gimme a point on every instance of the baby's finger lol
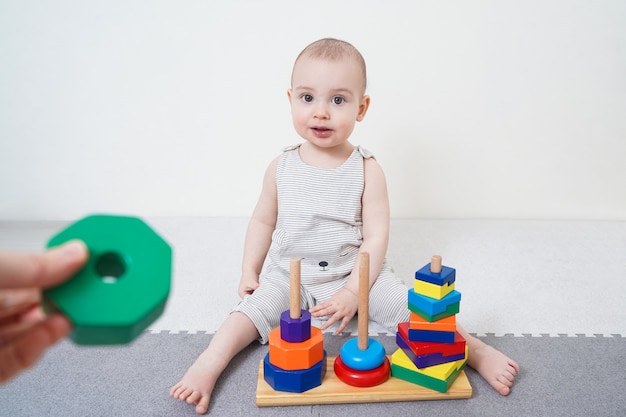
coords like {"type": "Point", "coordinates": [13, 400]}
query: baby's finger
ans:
{"type": "Point", "coordinates": [318, 308]}
{"type": "Point", "coordinates": [321, 310]}
{"type": "Point", "coordinates": [343, 325]}
{"type": "Point", "coordinates": [332, 320]}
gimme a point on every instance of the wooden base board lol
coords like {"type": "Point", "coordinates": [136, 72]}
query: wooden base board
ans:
{"type": "Point", "coordinates": [334, 391]}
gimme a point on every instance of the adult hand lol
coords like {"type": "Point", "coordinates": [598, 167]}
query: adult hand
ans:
{"type": "Point", "coordinates": [341, 306]}
{"type": "Point", "coordinates": [25, 332]}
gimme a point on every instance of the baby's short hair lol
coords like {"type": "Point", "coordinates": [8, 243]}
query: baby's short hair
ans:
{"type": "Point", "coordinates": [334, 50]}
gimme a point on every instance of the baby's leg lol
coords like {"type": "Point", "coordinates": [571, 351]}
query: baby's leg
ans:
{"type": "Point", "coordinates": [196, 387]}
{"type": "Point", "coordinates": [254, 317]}
{"type": "Point", "coordinates": [388, 300]}
{"type": "Point", "coordinates": [497, 368]}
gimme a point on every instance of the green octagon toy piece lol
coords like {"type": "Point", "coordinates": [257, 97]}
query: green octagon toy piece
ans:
{"type": "Point", "coordinates": [123, 287]}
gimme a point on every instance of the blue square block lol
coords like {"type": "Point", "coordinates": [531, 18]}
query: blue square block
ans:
{"type": "Point", "coordinates": [437, 336]}
{"type": "Point", "coordinates": [429, 359]}
{"type": "Point", "coordinates": [432, 306]}
{"type": "Point", "coordinates": [446, 276]}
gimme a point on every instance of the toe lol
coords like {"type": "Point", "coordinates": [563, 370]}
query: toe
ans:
{"type": "Point", "coordinates": [203, 405]}
{"type": "Point", "coordinates": [505, 379]}
{"type": "Point", "coordinates": [193, 397]}
{"type": "Point", "coordinates": [185, 394]}
{"type": "Point", "coordinates": [504, 390]}
{"type": "Point", "coordinates": [177, 391]}
{"type": "Point", "coordinates": [509, 377]}
{"type": "Point", "coordinates": [501, 385]}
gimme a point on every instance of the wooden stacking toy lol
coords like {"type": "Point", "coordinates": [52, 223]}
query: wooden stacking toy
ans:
{"type": "Point", "coordinates": [420, 370]}
{"type": "Point", "coordinates": [362, 362]}
{"type": "Point", "coordinates": [296, 361]}
{"type": "Point", "coordinates": [124, 285]}
{"type": "Point", "coordinates": [431, 352]}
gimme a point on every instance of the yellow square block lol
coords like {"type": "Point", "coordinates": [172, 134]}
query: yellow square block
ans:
{"type": "Point", "coordinates": [441, 372]}
{"type": "Point", "coordinates": [432, 290]}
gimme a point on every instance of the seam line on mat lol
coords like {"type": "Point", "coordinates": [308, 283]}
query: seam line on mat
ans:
{"type": "Point", "coordinates": [486, 334]}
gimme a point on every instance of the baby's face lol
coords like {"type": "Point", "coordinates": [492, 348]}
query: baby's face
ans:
{"type": "Point", "coordinates": [327, 100]}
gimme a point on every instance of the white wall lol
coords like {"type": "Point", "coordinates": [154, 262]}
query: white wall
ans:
{"type": "Point", "coordinates": [479, 108]}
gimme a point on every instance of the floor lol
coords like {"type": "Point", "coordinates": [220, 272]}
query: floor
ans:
{"type": "Point", "coordinates": [525, 278]}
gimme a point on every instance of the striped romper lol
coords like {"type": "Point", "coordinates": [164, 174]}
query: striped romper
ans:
{"type": "Point", "coordinates": [319, 221]}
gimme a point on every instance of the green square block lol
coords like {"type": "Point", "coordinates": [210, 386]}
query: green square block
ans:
{"type": "Point", "coordinates": [451, 310]}
{"type": "Point", "coordinates": [439, 377]}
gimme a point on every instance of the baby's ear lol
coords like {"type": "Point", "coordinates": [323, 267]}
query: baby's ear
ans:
{"type": "Point", "coordinates": [365, 104]}
{"type": "Point", "coordinates": [289, 92]}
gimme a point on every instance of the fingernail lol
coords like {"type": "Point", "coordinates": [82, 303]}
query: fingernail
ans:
{"type": "Point", "coordinates": [73, 249]}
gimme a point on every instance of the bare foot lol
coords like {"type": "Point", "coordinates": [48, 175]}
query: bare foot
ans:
{"type": "Point", "coordinates": [198, 383]}
{"type": "Point", "coordinates": [497, 368]}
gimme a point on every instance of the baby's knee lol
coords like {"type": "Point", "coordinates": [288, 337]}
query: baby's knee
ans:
{"type": "Point", "coordinates": [264, 307]}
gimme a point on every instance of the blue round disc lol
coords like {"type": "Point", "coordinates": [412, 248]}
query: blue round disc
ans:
{"type": "Point", "coordinates": [362, 360]}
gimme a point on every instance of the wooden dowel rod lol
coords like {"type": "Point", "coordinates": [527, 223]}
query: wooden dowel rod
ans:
{"type": "Point", "coordinates": [294, 288]}
{"type": "Point", "coordinates": [364, 293]}
{"type": "Point", "coordinates": [435, 264]}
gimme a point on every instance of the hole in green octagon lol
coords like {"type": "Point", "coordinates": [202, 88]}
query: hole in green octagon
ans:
{"type": "Point", "coordinates": [110, 266]}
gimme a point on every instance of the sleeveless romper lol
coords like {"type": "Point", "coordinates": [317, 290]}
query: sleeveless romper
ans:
{"type": "Point", "coordinates": [319, 221]}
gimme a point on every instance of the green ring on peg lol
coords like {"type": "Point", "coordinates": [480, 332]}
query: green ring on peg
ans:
{"type": "Point", "coordinates": [357, 378]}
{"type": "Point", "coordinates": [122, 288]}
{"type": "Point", "coordinates": [362, 360]}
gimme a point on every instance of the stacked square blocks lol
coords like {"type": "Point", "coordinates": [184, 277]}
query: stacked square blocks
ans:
{"type": "Point", "coordinates": [430, 351]}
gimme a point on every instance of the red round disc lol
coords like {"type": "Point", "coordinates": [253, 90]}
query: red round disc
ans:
{"type": "Point", "coordinates": [357, 378]}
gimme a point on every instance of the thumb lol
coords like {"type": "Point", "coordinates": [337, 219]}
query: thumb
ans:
{"type": "Point", "coordinates": [20, 270]}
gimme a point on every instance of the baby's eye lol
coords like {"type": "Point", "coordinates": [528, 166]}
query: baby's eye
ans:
{"type": "Point", "coordinates": [338, 100]}
{"type": "Point", "coordinates": [307, 98]}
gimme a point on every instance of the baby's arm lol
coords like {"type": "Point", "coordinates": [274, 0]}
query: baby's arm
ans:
{"type": "Point", "coordinates": [375, 211]}
{"type": "Point", "coordinates": [259, 233]}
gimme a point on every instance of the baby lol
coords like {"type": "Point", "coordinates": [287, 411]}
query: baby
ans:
{"type": "Point", "coordinates": [323, 201]}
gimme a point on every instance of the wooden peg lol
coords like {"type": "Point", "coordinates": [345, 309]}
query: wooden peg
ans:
{"type": "Point", "coordinates": [435, 264]}
{"type": "Point", "coordinates": [294, 288]}
{"type": "Point", "coordinates": [364, 293]}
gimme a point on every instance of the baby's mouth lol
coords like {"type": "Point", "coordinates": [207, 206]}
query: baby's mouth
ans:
{"type": "Point", "coordinates": [321, 129]}
{"type": "Point", "coordinates": [322, 132]}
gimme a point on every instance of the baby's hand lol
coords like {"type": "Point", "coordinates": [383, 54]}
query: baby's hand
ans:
{"type": "Point", "coordinates": [247, 285]}
{"type": "Point", "coordinates": [342, 306]}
